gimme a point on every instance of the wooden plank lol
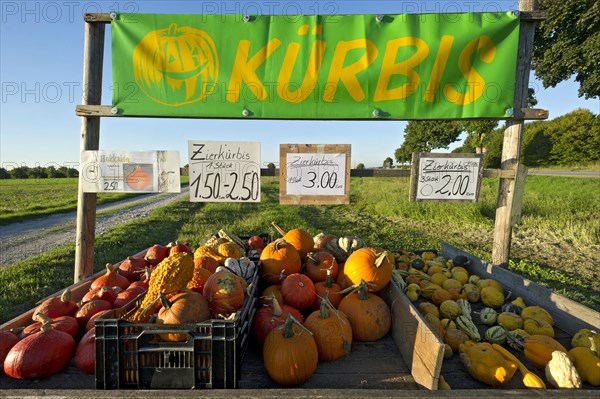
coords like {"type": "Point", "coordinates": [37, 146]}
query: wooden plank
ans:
{"type": "Point", "coordinates": [537, 15]}
{"type": "Point", "coordinates": [532, 114]}
{"type": "Point", "coordinates": [568, 315]}
{"type": "Point", "coordinates": [97, 18]}
{"type": "Point", "coordinates": [499, 173]}
{"type": "Point", "coordinates": [420, 347]}
{"type": "Point", "coordinates": [513, 137]}
{"type": "Point", "coordinates": [517, 208]}
{"type": "Point", "coordinates": [90, 139]}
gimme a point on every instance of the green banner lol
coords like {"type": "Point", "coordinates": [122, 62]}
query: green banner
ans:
{"type": "Point", "coordinates": [407, 66]}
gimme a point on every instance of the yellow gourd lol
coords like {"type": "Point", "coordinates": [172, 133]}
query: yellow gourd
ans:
{"type": "Point", "coordinates": [582, 338]}
{"type": "Point", "coordinates": [587, 364]}
{"type": "Point", "coordinates": [450, 309]}
{"type": "Point", "coordinates": [491, 297]}
{"type": "Point", "coordinates": [488, 282]}
{"type": "Point", "coordinates": [538, 349]}
{"type": "Point", "coordinates": [537, 326]}
{"type": "Point", "coordinates": [485, 364]}
{"type": "Point", "coordinates": [537, 312]}
{"type": "Point", "coordinates": [472, 291]}
{"type": "Point", "coordinates": [510, 320]}
{"type": "Point", "coordinates": [428, 307]}
{"type": "Point", "coordinates": [530, 379]}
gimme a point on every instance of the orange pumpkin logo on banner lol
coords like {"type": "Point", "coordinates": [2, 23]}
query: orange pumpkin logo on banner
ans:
{"type": "Point", "coordinates": [177, 63]}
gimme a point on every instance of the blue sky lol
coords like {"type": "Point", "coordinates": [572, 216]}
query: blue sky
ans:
{"type": "Point", "coordinates": [41, 64]}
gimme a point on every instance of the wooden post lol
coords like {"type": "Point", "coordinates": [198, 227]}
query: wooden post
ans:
{"type": "Point", "coordinates": [93, 57]}
{"type": "Point", "coordinates": [513, 137]}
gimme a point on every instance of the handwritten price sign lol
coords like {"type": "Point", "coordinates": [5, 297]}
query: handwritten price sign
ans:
{"type": "Point", "coordinates": [314, 173]}
{"type": "Point", "coordinates": [224, 171]}
{"type": "Point", "coordinates": [446, 177]}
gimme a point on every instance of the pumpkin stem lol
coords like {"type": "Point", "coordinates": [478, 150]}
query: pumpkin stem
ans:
{"type": "Point", "coordinates": [325, 304]}
{"type": "Point", "coordinates": [45, 320]}
{"type": "Point", "coordinates": [66, 295]}
{"type": "Point", "coordinates": [594, 347]}
{"type": "Point", "coordinates": [279, 229]}
{"type": "Point", "coordinates": [275, 306]}
{"type": "Point", "coordinates": [311, 256]}
{"type": "Point", "coordinates": [288, 327]}
{"type": "Point", "coordinates": [109, 268]}
{"type": "Point", "coordinates": [164, 301]}
{"type": "Point", "coordinates": [173, 29]}
{"type": "Point", "coordinates": [328, 278]}
{"type": "Point", "coordinates": [381, 257]}
{"type": "Point", "coordinates": [363, 290]}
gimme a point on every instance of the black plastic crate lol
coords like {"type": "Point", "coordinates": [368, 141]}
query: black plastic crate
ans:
{"type": "Point", "coordinates": [132, 356]}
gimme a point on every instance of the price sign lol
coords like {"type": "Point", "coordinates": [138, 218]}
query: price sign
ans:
{"type": "Point", "coordinates": [130, 171]}
{"type": "Point", "coordinates": [224, 171]}
{"type": "Point", "coordinates": [314, 174]}
{"type": "Point", "coordinates": [446, 177]}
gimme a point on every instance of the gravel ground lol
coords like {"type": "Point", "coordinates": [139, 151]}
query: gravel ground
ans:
{"type": "Point", "coordinates": [19, 241]}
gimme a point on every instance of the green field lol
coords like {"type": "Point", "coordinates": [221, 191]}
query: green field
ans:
{"type": "Point", "coordinates": [557, 243]}
{"type": "Point", "coordinates": [23, 199]}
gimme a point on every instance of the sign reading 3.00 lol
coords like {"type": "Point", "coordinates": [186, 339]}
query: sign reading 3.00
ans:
{"type": "Point", "coordinates": [316, 174]}
{"type": "Point", "coordinates": [224, 171]}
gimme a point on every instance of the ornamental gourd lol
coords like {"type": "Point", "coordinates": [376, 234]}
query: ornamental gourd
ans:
{"type": "Point", "coordinates": [587, 363]}
{"type": "Point", "coordinates": [290, 354]}
{"type": "Point", "coordinates": [279, 257]}
{"type": "Point", "coordinates": [369, 265]}
{"type": "Point", "coordinates": [331, 330]}
{"type": "Point", "coordinates": [369, 315]}
{"type": "Point", "coordinates": [537, 348]}
{"type": "Point", "coordinates": [485, 364]}
{"type": "Point", "coordinates": [40, 355]}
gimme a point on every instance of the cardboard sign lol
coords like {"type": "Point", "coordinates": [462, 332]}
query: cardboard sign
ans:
{"type": "Point", "coordinates": [446, 177]}
{"type": "Point", "coordinates": [130, 171]}
{"type": "Point", "coordinates": [314, 174]}
{"type": "Point", "coordinates": [224, 171]}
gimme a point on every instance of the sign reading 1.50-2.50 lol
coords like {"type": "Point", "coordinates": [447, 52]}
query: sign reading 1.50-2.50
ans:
{"type": "Point", "coordinates": [224, 171]}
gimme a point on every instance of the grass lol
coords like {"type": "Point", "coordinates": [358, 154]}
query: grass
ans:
{"type": "Point", "coordinates": [556, 244]}
{"type": "Point", "coordinates": [26, 199]}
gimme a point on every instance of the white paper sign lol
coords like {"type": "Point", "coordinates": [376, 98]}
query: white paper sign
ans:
{"type": "Point", "coordinates": [316, 174]}
{"type": "Point", "coordinates": [224, 171]}
{"type": "Point", "coordinates": [448, 178]}
{"type": "Point", "coordinates": [130, 171]}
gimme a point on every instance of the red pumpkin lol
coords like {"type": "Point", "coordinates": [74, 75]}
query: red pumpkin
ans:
{"type": "Point", "coordinates": [110, 279]}
{"type": "Point", "coordinates": [327, 288]}
{"type": "Point", "coordinates": [91, 324]}
{"type": "Point", "coordinates": [108, 294]}
{"type": "Point", "coordinates": [127, 296]}
{"type": "Point", "coordinates": [7, 341]}
{"type": "Point", "coordinates": [298, 291]}
{"type": "Point", "coordinates": [156, 253]}
{"type": "Point", "coordinates": [187, 307]}
{"type": "Point", "coordinates": [331, 330]}
{"type": "Point", "coordinates": [279, 257]}
{"type": "Point", "coordinates": [225, 293]}
{"type": "Point", "coordinates": [132, 268]}
{"type": "Point", "coordinates": [317, 264]}
{"type": "Point", "coordinates": [57, 306]}
{"type": "Point", "coordinates": [300, 239]}
{"type": "Point", "coordinates": [85, 355]}
{"type": "Point", "coordinates": [40, 355]}
{"type": "Point", "coordinates": [272, 316]}
{"type": "Point", "coordinates": [256, 243]}
{"type": "Point", "coordinates": [290, 354]}
{"type": "Point", "coordinates": [369, 315]}
{"type": "Point", "coordinates": [175, 247]}
{"type": "Point", "coordinates": [91, 308]}
{"type": "Point", "coordinates": [369, 265]}
{"type": "Point", "coordinates": [65, 324]}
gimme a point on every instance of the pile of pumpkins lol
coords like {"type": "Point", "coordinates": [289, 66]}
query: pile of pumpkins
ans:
{"type": "Point", "coordinates": [443, 292]}
{"type": "Point", "coordinates": [178, 287]}
{"type": "Point", "coordinates": [319, 294]}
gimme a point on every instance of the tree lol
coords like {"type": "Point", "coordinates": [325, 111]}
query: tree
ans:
{"type": "Point", "coordinates": [425, 136]}
{"type": "Point", "coordinates": [21, 172]}
{"type": "Point", "coordinates": [477, 131]}
{"type": "Point", "coordinates": [567, 43]}
{"type": "Point", "coordinates": [388, 163]}
{"type": "Point", "coordinates": [4, 174]}
{"type": "Point", "coordinates": [575, 138]}
{"type": "Point", "coordinates": [360, 166]}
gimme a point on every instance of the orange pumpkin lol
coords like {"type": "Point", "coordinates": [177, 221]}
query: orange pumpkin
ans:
{"type": "Point", "coordinates": [369, 315]}
{"type": "Point", "coordinates": [187, 307]}
{"type": "Point", "coordinates": [225, 293]}
{"type": "Point", "coordinates": [274, 290]}
{"type": "Point", "coordinates": [290, 354]}
{"type": "Point", "coordinates": [369, 265]}
{"type": "Point", "coordinates": [178, 63]}
{"type": "Point", "coordinates": [327, 288]}
{"type": "Point", "coordinates": [277, 257]}
{"type": "Point", "coordinates": [206, 262]}
{"type": "Point", "coordinates": [331, 330]}
{"type": "Point", "coordinates": [300, 239]}
{"type": "Point", "coordinates": [317, 264]}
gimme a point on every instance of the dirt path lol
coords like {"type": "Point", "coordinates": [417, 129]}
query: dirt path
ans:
{"type": "Point", "coordinates": [19, 241]}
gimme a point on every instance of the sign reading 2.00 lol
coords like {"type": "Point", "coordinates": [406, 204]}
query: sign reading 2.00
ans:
{"type": "Point", "coordinates": [224, 171]}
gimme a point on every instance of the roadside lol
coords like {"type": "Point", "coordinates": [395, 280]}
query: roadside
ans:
{"type": "Point", "coordinates": [565, 173]}
{"type": "Point", "coordinates": [19, 241]}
